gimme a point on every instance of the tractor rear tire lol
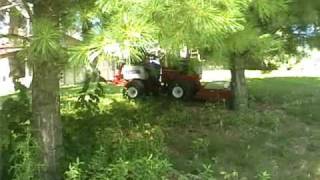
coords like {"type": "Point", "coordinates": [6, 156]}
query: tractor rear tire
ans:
{"type": "Point", "coordinates": [181, 90]}
{"type": "Point", "coordinates": [135, 89]}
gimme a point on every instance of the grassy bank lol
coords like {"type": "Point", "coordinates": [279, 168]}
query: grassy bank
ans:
{"type": "Point", "coordinates": [278, 138]}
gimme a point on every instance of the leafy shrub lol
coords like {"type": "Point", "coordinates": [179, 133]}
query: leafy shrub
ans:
{"type": "Point", "coordinates": [16, 145]}
{"type": "Point", "coordinates": [23, 159]}
{"type": "Point", "coordinates": [89, 99]}
{"type": "Point", "coordinates": [264, 176]}
{"type": "Point", "coordinates": [206, 172]}
{"type": "Point", "coordinates": [138, 142]}
{"type": "Point", "coordinates": [132, 153]}
{"type": "Point", "coordinates": [152, 168]}
{"type": "Point", "coordinates": [200, 147]}
{"type": "Point", "coordinates": [127, 144]}
{"type": "Point", "coordinates": [74, 171]}
{"type": "Point", "coordinates": [15, 112]}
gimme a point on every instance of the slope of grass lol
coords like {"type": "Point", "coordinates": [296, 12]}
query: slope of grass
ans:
{"type": "Point", "coordinates": [297, 96]}
{"type": "Point", "coordinates": [277, 138]}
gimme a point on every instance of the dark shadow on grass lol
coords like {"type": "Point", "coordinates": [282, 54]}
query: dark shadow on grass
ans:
{"type": "Point", "coordinates": [275, 132]}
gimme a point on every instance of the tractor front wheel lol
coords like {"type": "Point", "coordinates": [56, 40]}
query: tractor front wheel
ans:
{"type": "Point", "coordinates": [135, 89]}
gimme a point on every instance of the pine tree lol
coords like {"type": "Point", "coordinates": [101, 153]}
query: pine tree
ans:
{"type": "Point", "coordinates": [235, 31]}
{"type": "Point", "coordinates": [45, 54]}
{"type": "Point", "coordinates": [260, 40]}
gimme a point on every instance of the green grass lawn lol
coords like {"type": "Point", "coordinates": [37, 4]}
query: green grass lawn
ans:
{"type": "Point", "coordinates": [277, 138]}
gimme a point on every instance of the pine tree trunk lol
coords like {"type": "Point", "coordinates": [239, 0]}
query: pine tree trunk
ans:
{"type": "Point", "coordinates": [46, 103]}
{"type": "Point", "coordinates": [46, 118]}
{"type": "Point", "coordinates": [239, 85]}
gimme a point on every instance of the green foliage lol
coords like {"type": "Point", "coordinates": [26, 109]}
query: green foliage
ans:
{"type": "Point", "coordinates": [24, 157]}
{"type": "Point", "coordinates": [260, 31]}
{"type": "Point", "coordinates": [89, 98]}
{"type": "Point", "coordinates": [74, 172]}
{"type": "Point", "coordinates": [129, 139]}
{"type": "Point", "coordinates": [200, 147]}
{"type": "Point", "coordinates": [230, 175]}
{"type": "Point", "coordinates": [206, 172]}
{"type": "Point", "coordinates": [18, 147]}
{"type": "Point", "coordinates": [145, 168]}
{"type": "Point", "coordinates": [4, 133]}
{"type": "Point", "coordinates": [121, 32]}
{"type": "Point", "coordinates": [13, 115]}
{"type": "Point", "coordinates": [269, 10]}
{"type": "Point", "coordinates": [197, 24]}
{"type": "Point", "coordinates": [305, 12]}
{"type": "Point", "coordinates": [264, 176]}
{"type": "Point", "coordinates": [45, 45]}
{"type": "Point", "coordinates": [136, 152]}
{"type": "Point", "coordinates": [138, 142]}
{"type": "Point", "coordinates": [138, 24]}
{"type": "Point", "coordinates": [119, 144]}
{"type": "Point", "coordinates": [155, 138]}
{"type": "Point", "coordinates": [80, 15]}
{"type": "Point", "coordinates": [261, 41]}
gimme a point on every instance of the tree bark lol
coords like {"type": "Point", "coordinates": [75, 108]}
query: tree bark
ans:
{"type": "Point", "coordinates": [46, 102]}
{"type": "Point", "coordinates": [239, 85]}
{"type": "Point", "coordinates": [46, 118]}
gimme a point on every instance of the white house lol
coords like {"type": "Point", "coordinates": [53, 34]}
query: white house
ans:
{"type": "Point", "coordinates": [69, 76]}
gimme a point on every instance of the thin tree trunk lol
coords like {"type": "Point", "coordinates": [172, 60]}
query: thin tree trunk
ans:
{"type": "Point", "coordinates": [239, 85]}
{"type": "Point", "coordinates": [46, 118]}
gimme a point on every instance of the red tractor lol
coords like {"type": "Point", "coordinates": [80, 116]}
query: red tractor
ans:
{"type": "Point", "coordinates": [151, 78]}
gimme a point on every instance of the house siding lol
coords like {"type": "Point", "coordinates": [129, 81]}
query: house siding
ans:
{"type": "Point", "coordinates": [69, 76]}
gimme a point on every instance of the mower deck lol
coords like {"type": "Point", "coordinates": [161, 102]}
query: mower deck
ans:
{"type": "Point", "coordinates": [213, 94]}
